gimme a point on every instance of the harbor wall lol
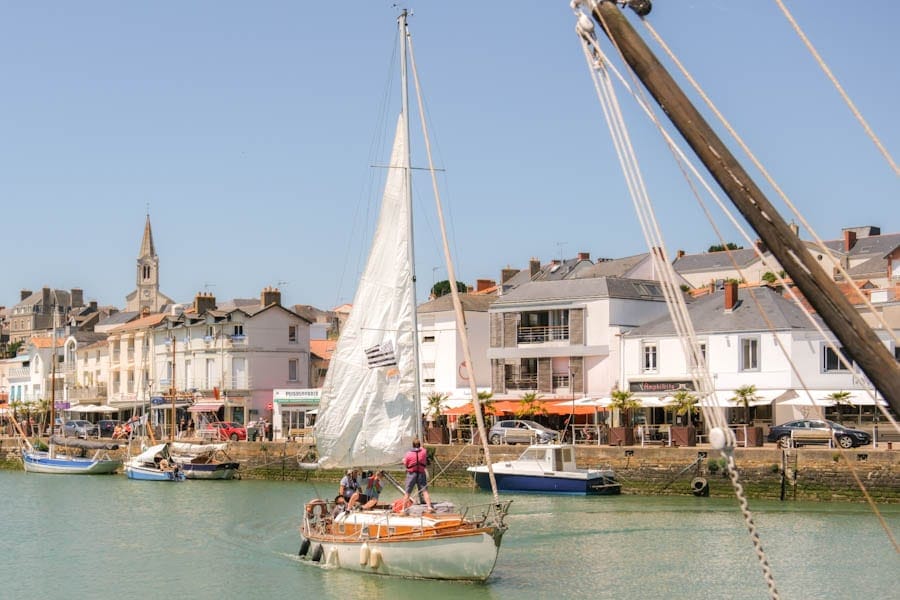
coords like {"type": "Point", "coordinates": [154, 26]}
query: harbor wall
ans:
{"type": "Point", "coordinates": [808, 473]}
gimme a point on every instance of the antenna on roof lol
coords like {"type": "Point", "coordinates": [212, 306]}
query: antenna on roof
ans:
{"type": "Point", "coordinates": [206, 286]}
{"type": "Point", "coordinates": [559, 246]}
{"type": "Point", "coordinates": [280, 284]}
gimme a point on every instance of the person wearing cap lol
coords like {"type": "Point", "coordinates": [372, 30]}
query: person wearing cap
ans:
{"type": "Point", "coordinates": [349, 484]}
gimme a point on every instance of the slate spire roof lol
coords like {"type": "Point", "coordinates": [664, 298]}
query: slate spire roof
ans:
{"type": "Point", "coordinates": [147, 247]}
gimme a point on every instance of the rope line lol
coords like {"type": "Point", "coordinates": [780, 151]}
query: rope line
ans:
{"type": "Point", "coordinates": [824, 66]}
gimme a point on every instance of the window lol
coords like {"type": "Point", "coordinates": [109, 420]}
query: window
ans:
{"type": "Point", "coordinates": [831, 362]}
{"type": "Point", "coordinates": [293, 368]}
{"type": "Point", "coordinates": [292, 334]}
{"type": "Point", "coordinates": [428, 338]}
{"type": "Point", "coordinates": [238, 330]}
{"type": "Point", "coordinates": [702, 347]}
{"type": "Point", "coordinates": [897, 353]}
{"type": "Point", "coordinates": [210, 332]}
{"type": "Point", "coordinates": [648, 363]}
{"type": "Point", "coordinates": [749, 354]}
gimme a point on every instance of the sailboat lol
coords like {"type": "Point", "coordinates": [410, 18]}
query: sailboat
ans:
{"type": "Point", "coordinates": [370, 410]}
{"type": "Point", "coordinates": [69, 456]}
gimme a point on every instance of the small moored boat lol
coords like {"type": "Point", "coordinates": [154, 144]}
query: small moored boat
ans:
{"type": "Point", "coordinates": [550, 469]}
{"type": "Point", "coordinates": [204, 461]}
{"type": "Point", "coordinates": [69, 456]}
{"type": "Point", "coordinates": [154, 464]}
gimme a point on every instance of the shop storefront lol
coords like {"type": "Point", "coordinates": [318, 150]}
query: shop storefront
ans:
{"type": "Point", "coordinates": [294, 410]}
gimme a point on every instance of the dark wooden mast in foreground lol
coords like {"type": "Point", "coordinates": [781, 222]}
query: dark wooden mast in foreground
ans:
{"type": "Point", "coordinates": [858, 339]}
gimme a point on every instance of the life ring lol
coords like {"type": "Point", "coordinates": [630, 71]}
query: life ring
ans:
{"type": "Point", "coordinates": [316, 510]}
{"type": "Point", "coordinates": [463, 371]}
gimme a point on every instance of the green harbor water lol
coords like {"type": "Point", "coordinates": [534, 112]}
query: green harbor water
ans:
{"type": "Point", "coordinates": [102, 537]}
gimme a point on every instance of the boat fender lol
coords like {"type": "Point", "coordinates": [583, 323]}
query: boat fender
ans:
{"type": "Point", "coordinates": [699, 486]}
{"type": "Point", "coordinates": [364, 554]}
{"type": "Point", "coordinates": [375, 558]}
{"type": "Point", "coordinates": [304, 547]}
{"type": "Point", "coordinates": [333, 558]}
{"type": "Point", "coordinates": [317, 553]}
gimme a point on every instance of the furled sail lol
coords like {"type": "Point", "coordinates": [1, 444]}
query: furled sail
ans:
{"type": "Point", "coordinates": [368, 407]}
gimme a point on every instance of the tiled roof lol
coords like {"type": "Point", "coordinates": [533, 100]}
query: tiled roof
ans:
{"type": "Point", "coordinates": [616, 267]}
{"type": "Point", "coordinates": [715, 261]}
{"type": "Point", "coordinates": [470, 302]}
{"type": "Point", "coordinates": [47, 342]}
{"type": "Point", "coordinates": [709, 316]}
{"type": "Point", "coordinates": [141, 323]}
{"type": "Point", "coordinates": [322, 348]}
{"type": "Point", "coordinates": [578, 289]}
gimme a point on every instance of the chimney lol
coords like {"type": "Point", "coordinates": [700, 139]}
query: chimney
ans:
{"type": "Point", "coordinates": [483, 284]}
{"type": "Point", "coordinates": [761, 246]}
{"type": "Point", "coordinates": [45, 297]}
{"type": "Point", "coordinates": [556, 261]}
{"type": "Point", "coordinates": [507, 274]}
{"type": "Point", "coordinates": [849, 240]}
{"type": "Point", "coordinates": [77, 297]}
{"type": "Point", "coordinates": [731, 295]}
{"type": "Point", "coordinates": [23, 294]}
{"type": "Point", "coordinates": [269, 296]}
{"type": "Point", "coordinates": [584, 256]}
{"type": "Point", "coordinates": [795, 228]}
{"type": "Point", "coordinates": [679, 254]}
{"type": "Point", "coordinates": [93, 305]}
{"type": "Point", "coordinates": [204, 302]}
{"type": "Point", "coordinates": [534, 265]}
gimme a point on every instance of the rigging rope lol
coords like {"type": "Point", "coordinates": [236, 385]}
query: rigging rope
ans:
{"type": "Point", "coordinates": [838, 87]}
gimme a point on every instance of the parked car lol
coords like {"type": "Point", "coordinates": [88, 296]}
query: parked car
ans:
{"type": "Point", "coordinates": [108, 426]}
{"type": "Point", "coordinates": [228, 430]}
{"type": "Point", "coordinates": [521, 431]}
{"type": "Point", "coordinates": [844, 436]}
{"type": "Point", "coordinates": [79, 428]}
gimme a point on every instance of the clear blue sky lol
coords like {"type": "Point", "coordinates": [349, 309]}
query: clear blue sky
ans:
{"type": "Point", "coordinates": [249, 129]}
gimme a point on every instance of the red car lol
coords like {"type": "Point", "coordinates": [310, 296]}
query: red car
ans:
{"type": "Point", "coordinates": [229, 430]}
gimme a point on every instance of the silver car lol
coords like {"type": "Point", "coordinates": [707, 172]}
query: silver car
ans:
{"type": "Point", "coordinates": [80, 428]}
{"type": "Point", "coordinates": [521, 431]}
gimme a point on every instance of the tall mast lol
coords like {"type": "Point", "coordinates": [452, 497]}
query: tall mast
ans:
{"type": "Point", "coordinates": [53, 369]}
{"type": "Point", "coordinates": [404, 102]}
{"type": "Point", "coordinates": [856, 336]}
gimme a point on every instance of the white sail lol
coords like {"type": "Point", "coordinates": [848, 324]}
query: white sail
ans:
{"type": "Point", "coordinates": [368, 409]}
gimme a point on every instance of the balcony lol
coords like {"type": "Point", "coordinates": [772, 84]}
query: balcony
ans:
{"type": "Point", "coordinates": [522, 382]}
{"type": "Point", "coordinates": [542, 334]}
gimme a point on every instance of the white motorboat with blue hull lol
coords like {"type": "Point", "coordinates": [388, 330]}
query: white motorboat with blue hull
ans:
{"type": "Point", "coordinates": [59, 459]}
{"type": "Point", "coordinates": [547, 469]}
{"type": "Point", "coordinates": [153, 464]}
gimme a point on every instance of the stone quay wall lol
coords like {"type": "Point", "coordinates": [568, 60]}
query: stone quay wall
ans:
{"type": "Point", "coordinates": [807, 473]}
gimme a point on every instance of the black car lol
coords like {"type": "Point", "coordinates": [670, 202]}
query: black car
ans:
{"type": "Point", "coordinates": [844, 436]}
{"type": "Point", "coordinates": [108, 427]}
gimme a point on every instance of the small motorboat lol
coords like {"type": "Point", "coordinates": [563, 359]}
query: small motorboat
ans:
{"type": "Point", "coordinates": [204, 461]}
{"type": "Point", "coordinates": [547, 469]}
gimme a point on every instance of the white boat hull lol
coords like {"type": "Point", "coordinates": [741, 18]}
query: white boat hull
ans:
{"type": "Point", "coordinates": [439, 547]}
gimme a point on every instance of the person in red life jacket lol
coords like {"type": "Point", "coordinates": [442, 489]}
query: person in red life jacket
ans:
{"type": "Point", "coordinates": [415, 462]}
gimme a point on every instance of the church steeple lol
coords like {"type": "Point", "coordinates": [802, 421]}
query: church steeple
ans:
{"type": "Point", "coordinates": [147, 248]}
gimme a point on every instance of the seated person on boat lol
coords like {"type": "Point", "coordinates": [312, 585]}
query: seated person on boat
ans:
{"type": "Point", "coordinates": [373, 489]}
{"type": "Point", "coordinates": [349, 484]}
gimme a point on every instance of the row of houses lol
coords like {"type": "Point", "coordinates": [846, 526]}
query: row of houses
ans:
{"type": "Point", "coordinates": [565, 329]}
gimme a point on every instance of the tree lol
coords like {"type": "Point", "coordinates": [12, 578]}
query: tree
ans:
{"type": "Point", "coordinates": [720, 247]}
{"type": "Point", "coordinates": [487, 404]}
{"type": "Point", "coordinates": [442, 288]}
{"type": "Point", "coordinates": [840, 399]}
{"type": "Point", "coordinates": [683, 403]}
{"type": "Point", "coordinates": [743, 396]}
{"type": "Point", "coordinates": [769, 277]}
{"type": "Point", "coordinates": [436, 405]}
{"type": "Point", "coordinates": [625, 402]}
{"type": "Point", "coordinates": [530, 405]}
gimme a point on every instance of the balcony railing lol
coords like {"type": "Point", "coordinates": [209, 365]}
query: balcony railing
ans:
{"type": "Point", "coordinates": [560, 381]}
{"type": "Point", "coordinates": [546, 333]}
{"type": "Point", "coordinates": [523, 382]}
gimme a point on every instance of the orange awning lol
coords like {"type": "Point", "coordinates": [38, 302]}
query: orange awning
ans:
{"type": "Point", "coordinates": [501, 407]}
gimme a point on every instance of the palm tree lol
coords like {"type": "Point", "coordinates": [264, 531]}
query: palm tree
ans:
{"type": "Point", "coordinates": [684, 403]}
{"type": "Point", "coordinates": [624, 401]}
{"type": "Point", "coordinates": [436, 404]}
{"type": "Point", "coordinates": [530, 405]}
{"type": "Point", "coordinates": [840, 399]}
{"type": "Point", "coordinates": [743, 396]}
